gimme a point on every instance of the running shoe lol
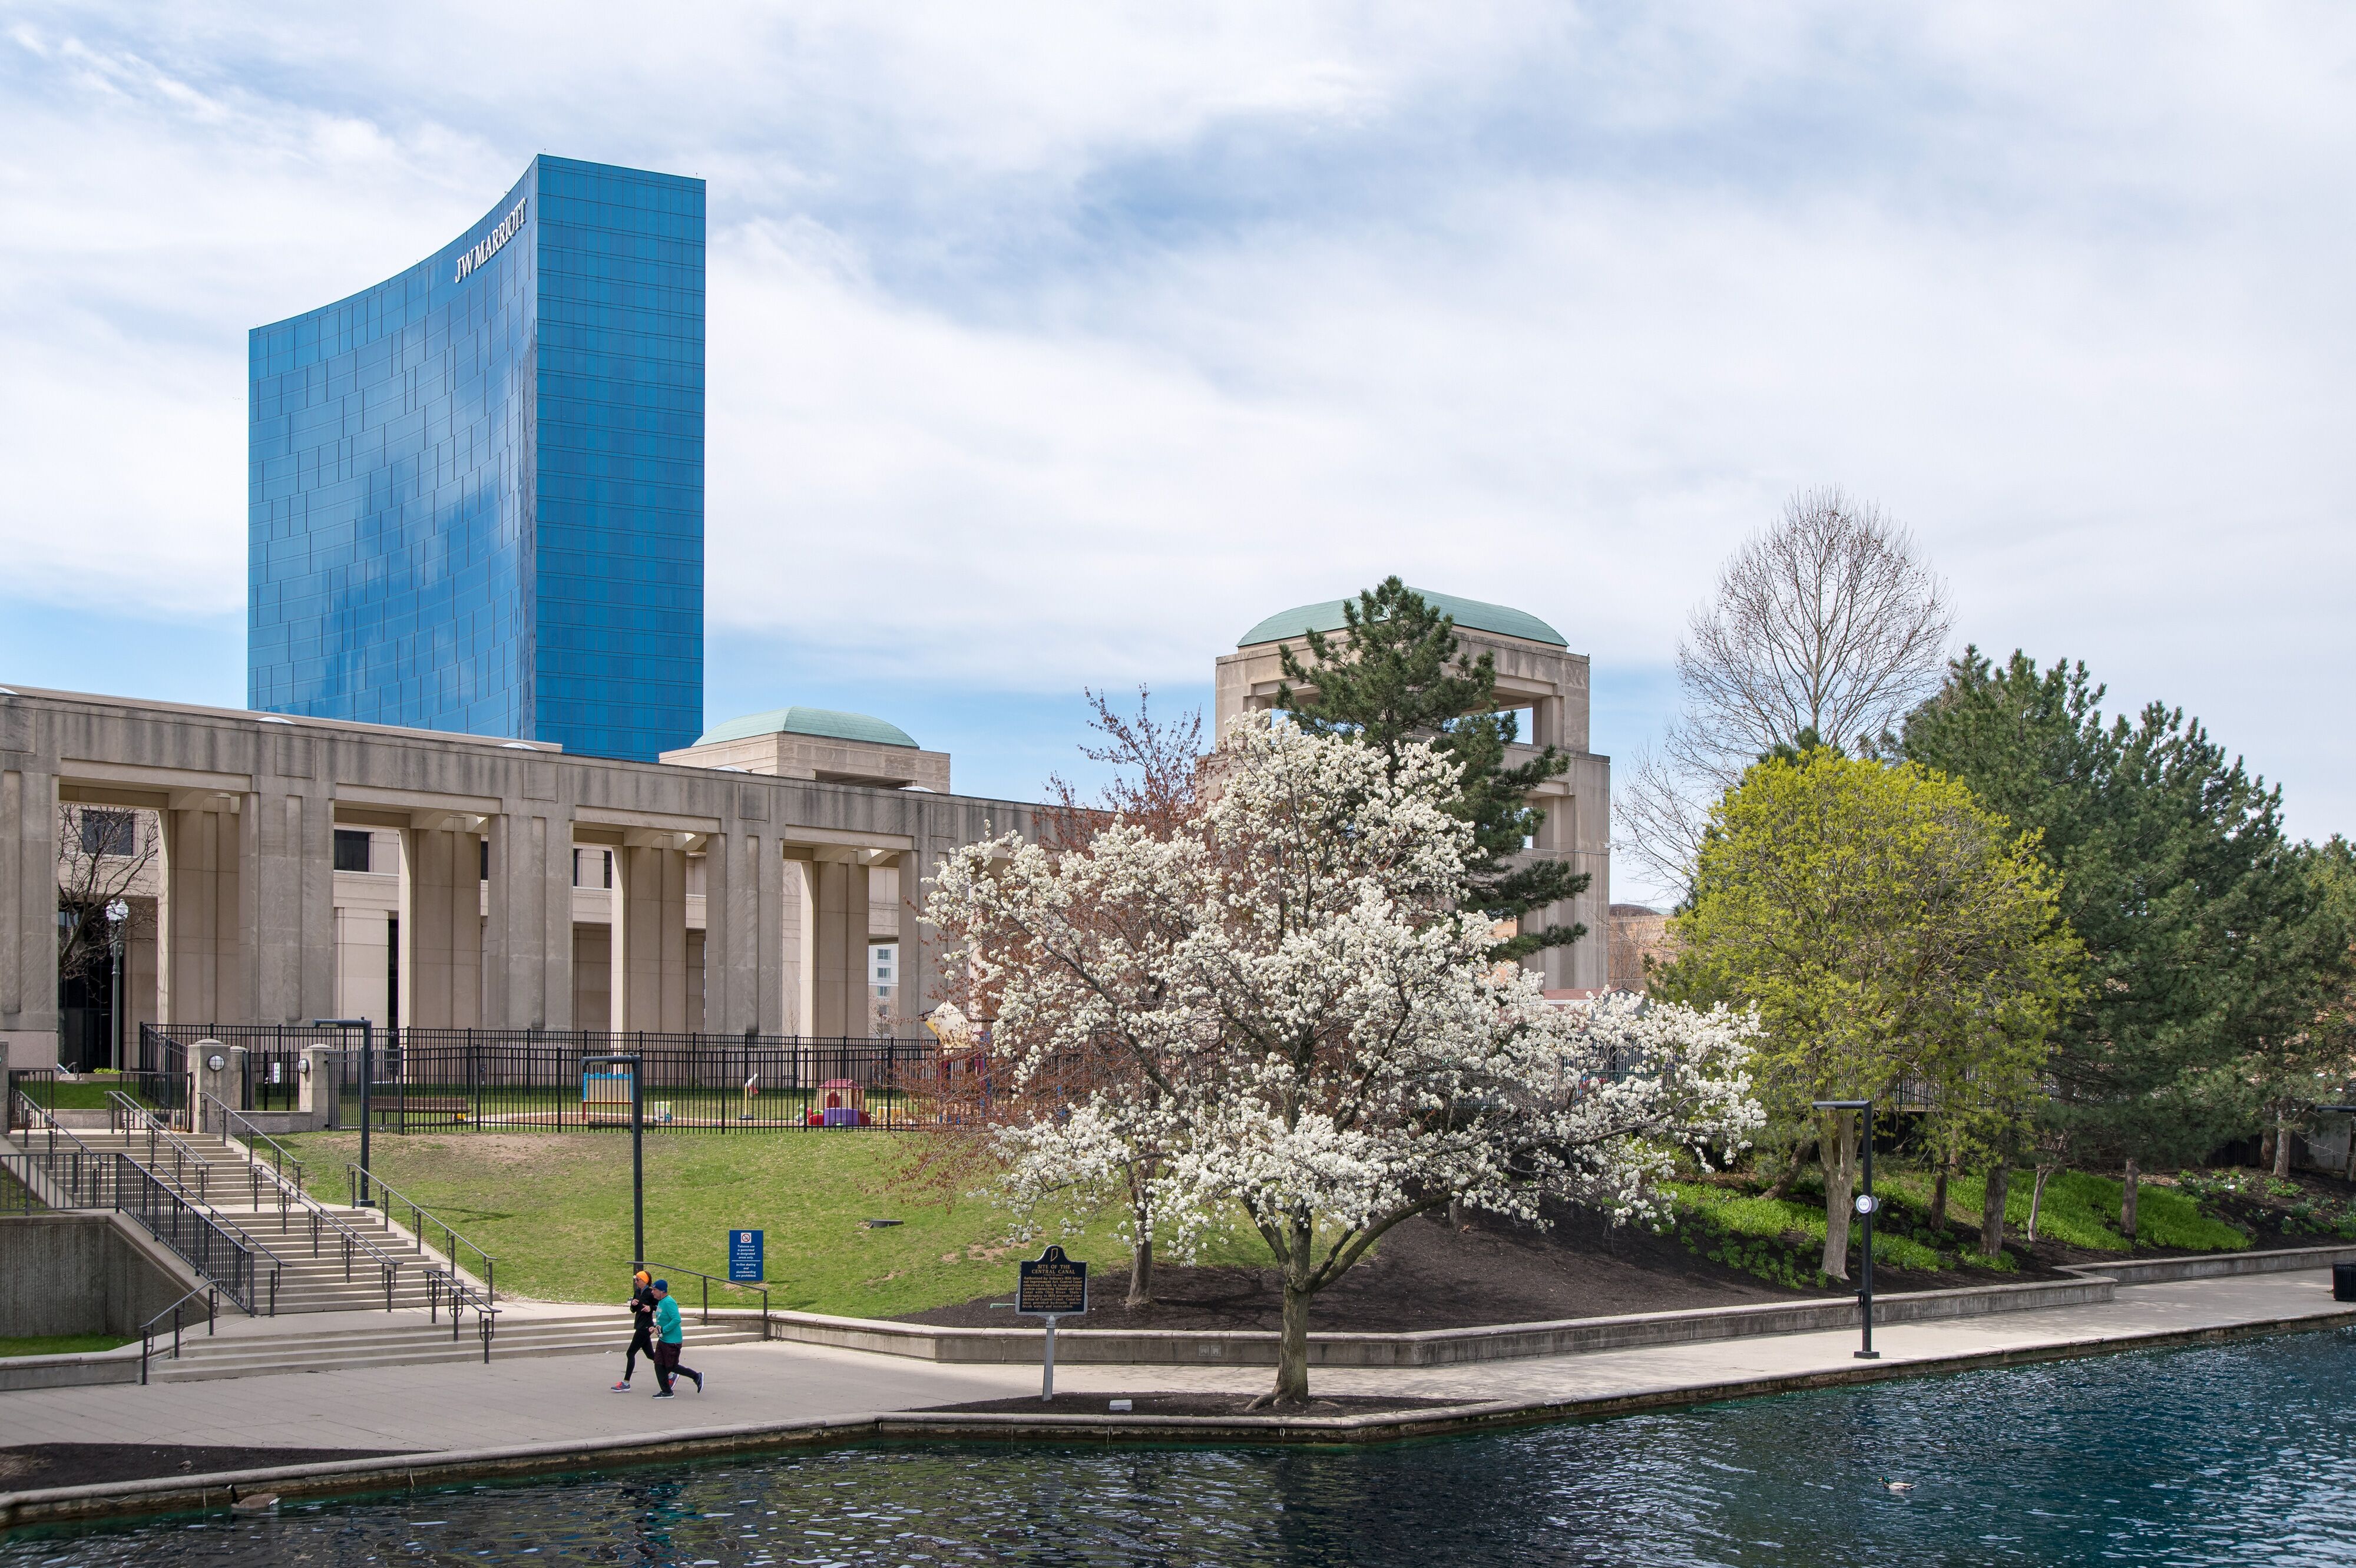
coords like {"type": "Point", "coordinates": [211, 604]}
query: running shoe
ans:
{"type": "Point", "coordinates": [622, 1388]}
{"type": "Point", "coordinates": [699, 1381]}
{"type": "Point", "coordinates": [666, 1394]}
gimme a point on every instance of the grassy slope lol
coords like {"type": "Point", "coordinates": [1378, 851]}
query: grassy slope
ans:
{"type": "Point", "coordinates": [2079, 1210]}
{"type": "Point", "coordinates": [554, 1209]}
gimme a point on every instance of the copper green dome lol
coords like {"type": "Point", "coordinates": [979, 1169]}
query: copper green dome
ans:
{"type": "Point", "coordinates": [824, 723]}
{"type": "Point", "coordinates": [1470, 614]}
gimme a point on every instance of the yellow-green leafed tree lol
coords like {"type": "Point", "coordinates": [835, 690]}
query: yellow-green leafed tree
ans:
{"type": "Point", "coordinates": [1886, 926]}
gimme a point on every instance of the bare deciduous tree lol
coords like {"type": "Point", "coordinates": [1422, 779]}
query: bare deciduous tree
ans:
{"type": "Point", "coordinates": [1828, 625]}
{"type": "Point", "coordinates": [102, 854]}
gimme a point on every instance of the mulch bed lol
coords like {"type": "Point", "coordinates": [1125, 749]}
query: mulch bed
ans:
{"type": "Point", "coordinates": [90, 1464]}
{"type": "Point", "coordinates": [1430, 1274]}
{"type": "Point", "coordinates": [1181, 1404]}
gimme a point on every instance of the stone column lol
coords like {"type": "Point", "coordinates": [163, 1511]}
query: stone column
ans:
{"type": "Point", "coordinates": [649, 987]}
{"type": "Point", "coordinates": [285, 902]}
{"type": "Point", "coordinates": [840, 941]}
{"type": "Point", "coordinates": [316, 1093]}
{"type": "Point", "coordinates": [527, 958]}
{"type": "Point", "coordinates": [442, 923]}
{"type": "Point", "coordinates": [198, 975]}
{"type": "Point", "coordinates": [28, 915]}
{"type": "Point", "coordinates": [222, 1084]}
{"type": "Point", "coordinates": [743, 964]}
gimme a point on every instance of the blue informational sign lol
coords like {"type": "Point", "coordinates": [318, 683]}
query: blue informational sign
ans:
{"type": "Point", "coordinates": [745, 1256]}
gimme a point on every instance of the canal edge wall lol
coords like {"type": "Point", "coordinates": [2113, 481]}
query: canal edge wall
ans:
{"type": "Point", "coordinates": [1425, 1348]}
{"type": "Point", "coordinates": [396, 1473]}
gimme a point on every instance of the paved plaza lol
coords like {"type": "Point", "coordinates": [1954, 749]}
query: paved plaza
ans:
{"type": "Point", "coordinates": [468, 1405]}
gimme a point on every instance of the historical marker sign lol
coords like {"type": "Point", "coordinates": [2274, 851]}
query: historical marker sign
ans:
{"type": "Point", "coordinates": [1052, 1286]}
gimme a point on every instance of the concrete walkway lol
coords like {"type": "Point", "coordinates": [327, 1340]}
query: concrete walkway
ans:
{"type": "Point", "coordinates": [468, 1406]}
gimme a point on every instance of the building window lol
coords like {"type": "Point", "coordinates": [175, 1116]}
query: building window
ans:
{"type": "Point", "coordinates": [105, 832]}
{"type": "Point", "coordinates": [352, 848]}
{"type": "Point", "coordinates": [883, 967]}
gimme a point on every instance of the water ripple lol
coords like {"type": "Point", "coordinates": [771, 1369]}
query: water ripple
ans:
{"type": "Point", "coordinates": [2223, 1454]}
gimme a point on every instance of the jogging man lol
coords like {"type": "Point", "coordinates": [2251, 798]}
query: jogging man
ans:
{"type": "Point", "coordinates": [642, 1318]}
{"type": "Point", "coordinates": [669, 1341]}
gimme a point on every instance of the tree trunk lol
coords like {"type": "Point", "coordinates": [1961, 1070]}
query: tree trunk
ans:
{"type": "Point", "coordinates": [1939, 1188]}
{"type": "Point", "coordinates": [1458, 1219]}
{"type": "Point", "coordinates": [1292, 1348]}
{"type": "Point", "coordinates": [2265, 1148]}
{"type": "Point", "coordinates": [1840, 1175]}
{"type": "Point", "coordinates": [1141, 1273]}
{"type": "Point", "coordinates": [2282, 1146]}
{"type": "Point", "coordinates": [1999, 1187]}
{"type": "Point", "coordinates": [2036, 1198]}
{"type": "Point", "coordinates": [2127, 1202]}
{"type": "Point", "coordinates": [1782, 1184]}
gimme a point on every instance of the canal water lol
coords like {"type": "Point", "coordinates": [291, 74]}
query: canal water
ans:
{"type": "Point", "coordinates": [2236, 1453]}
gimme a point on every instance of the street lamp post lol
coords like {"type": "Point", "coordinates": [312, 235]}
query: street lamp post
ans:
{"type": "Point", "coordinates": [367, 1072]}
{"type": "Point", "coordinates": [637, 1153]}
{"type": "Point", "coordinates": [1867, 1204]}
{"type": "Point", "coordinates": [116, 913]}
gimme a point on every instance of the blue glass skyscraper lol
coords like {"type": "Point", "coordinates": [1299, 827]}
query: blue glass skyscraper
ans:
{"type": "Point", "coordinates": [475, 497]}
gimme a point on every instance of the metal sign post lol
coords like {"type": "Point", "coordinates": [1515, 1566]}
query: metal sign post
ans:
{"type": "Point", "coordinates": [1867, 1204]}
{"type": "Point", "coordinates": [638, 1151]}
{"type": "Point", "coordinates": [1050, 1286]}
{"type": "Point", "coordinates": [368, 1071]}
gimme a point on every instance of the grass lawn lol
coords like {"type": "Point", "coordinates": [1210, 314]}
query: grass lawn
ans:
{"type": "Point", "coordinates": [554, 1209]}
{"type": "Point", "coordinates": [88, 1094]}
{"type": "Point", "coordinates": [60, 1344]}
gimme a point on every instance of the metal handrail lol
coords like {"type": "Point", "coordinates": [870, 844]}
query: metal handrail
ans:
{"type": "Point", "coordinates": [462, 1296]}
{"type": "Point", "coordinates": [147, 1329]}
{"type": "Point", "coordinates": [361, 1178]}
{"type": "Point", "coordinates": [279, 1157]}
{"type": "Point", "coordinates": [322, 1216]}
{"type": "Point", "coordinates": [292, 1195]}
{"type": "Point", "coordinates": [82, 1160]}
{"type": "Point", "coordinates": [254, 1171]}
{"type": "Point", "coordinates": [708, 1280]}
{"type": "Point", "coordinates": [122, 1109]}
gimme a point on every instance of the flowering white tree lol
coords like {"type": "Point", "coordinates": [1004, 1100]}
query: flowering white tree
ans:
{"type": "Point", "coordinates": [1314, 1031]}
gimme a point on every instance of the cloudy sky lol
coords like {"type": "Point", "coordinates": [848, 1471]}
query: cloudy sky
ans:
{"type": "Point", "coordinates": [1052, 346]}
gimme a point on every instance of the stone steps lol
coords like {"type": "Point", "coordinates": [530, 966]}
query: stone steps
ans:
{"type": "Point", "coordinates": [410, 1343]}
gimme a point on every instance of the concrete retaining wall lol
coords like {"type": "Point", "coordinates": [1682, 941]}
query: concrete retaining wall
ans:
{"type": "Point", "coordinates": [2212, 1265]}
{"type": "Point", "coordinates": [78, 1273]}
{"type": "Point", "coordinates": [1435, 1347]}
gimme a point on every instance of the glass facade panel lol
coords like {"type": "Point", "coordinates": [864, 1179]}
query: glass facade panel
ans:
{"type": "Point", "coordinates": [476, 491]}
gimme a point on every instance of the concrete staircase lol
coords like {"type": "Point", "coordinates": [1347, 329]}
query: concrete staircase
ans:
{"type": "Point", "coordinates": [313, 1276]}
{"type": "Point", "coordinates": [407, 1341]}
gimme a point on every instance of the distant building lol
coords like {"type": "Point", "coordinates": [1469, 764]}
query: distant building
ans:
{"type": "Point", "coordinates": [475, 491]}
{"type": "Point", "coordinates": [1638, 933]}
{"type": "Point", "coordinates": [1537, 672]}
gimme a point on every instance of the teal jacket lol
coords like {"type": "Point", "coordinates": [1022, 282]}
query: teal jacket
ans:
{"type": "Point", "coordinates": [667, 1321]}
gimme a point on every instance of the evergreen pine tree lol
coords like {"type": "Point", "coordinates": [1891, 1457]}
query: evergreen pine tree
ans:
{"type": "Point", "coordinates": [2202, 921]}
{"type": "Point", "coordinates": [1395, 674]}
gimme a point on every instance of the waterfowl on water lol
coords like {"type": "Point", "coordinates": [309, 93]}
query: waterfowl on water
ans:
{"type": "Point", "coordinates": [1898, 1486]}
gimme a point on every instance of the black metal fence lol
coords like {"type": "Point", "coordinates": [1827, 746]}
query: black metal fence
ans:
{"type": "Point", "coordinates": [432, 1079]}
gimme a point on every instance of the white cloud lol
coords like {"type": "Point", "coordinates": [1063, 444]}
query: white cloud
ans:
{"type": "Point", "coordinates": [1057, 345]}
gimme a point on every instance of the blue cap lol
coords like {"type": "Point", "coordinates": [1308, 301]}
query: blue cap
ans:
{"type": "Point", "coordinates": [662, 1284]}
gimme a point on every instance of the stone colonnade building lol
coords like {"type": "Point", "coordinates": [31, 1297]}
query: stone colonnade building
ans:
{"type": "Point", "coordinates": [316, 869]}
{"type": "Point", "coordinates": [1535, 672]}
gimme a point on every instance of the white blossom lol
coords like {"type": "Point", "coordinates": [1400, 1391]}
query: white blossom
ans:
{"type": "Point", "coordinates": [1309, 1029]}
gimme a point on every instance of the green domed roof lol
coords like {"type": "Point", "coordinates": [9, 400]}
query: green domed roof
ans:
{"type": "Point", "coordinates": [1470, 614]}
{"type": "Point", "coordinates": [822, 721]}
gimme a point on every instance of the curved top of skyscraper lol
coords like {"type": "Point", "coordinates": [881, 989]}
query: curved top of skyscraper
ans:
{"type": "Point", "coordinates": [474, 492]}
